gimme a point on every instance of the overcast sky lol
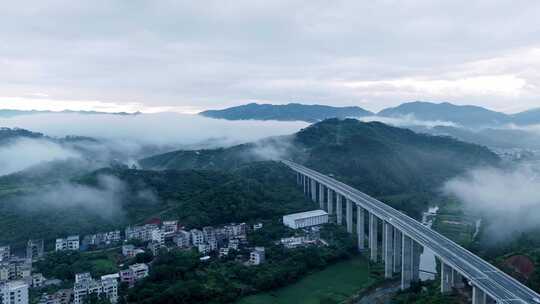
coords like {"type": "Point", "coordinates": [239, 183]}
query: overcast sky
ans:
{"type": "Point", "coordinates": [191, 55]}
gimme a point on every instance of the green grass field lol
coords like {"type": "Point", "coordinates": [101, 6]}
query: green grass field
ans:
{"type": "Point", "coordinates": [337, 282]}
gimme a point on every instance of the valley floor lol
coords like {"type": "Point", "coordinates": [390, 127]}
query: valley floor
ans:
{"type": "Point", "coordinates": [334, 284]}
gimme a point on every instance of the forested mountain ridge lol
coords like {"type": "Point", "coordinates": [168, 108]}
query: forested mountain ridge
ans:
{"type": "Point", "coordinates": [384, 161]}
{"type": "Point", "coordinates": [387, 160]}
{"type": "Point", "coordinates": [7, 134]}
{"type": "Point", "coordinates": [288, 112]}
{"type": "Point", "coordinates": [527, 117]}
{"type": "Point", "coordinates": [461, 115]}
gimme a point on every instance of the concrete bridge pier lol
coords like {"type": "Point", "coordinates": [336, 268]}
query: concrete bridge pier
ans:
{"type": "Point", "coordinates": [457, 279]}
{"type": "Point", "coordinates": [417, 251]}
{"type": "Point", "coordinates": [479, 296]}
{"type": "Point", "coordinates": [388, 250]}
{"type": "Point", "coordinates": [383, 244]}
{"type": "Point", "coordinates": [397, 250]}
{"type": "Point", "coordinates": [360, 228]}
{"type": "Point", "coordinates": [410, 261]}
{"type": "Point", "coordinates": [321, 196]}
{"type": "Point", "coordinates": [308, 187]}
{"type": "Point", "coordinates": [330, 202]}
{"type": "Point", "coordinates": [406, 262]}
{"type": "Point", "coordinates": [313, 190]}
{"type": "Point", "coordinates": [446, 278]}
{"type": "Point", "coordinates": [339, 208]}
{"type": "Point", "coordinates": [373, 236]}
{"type": "Point", "coordinates": [349, 215]}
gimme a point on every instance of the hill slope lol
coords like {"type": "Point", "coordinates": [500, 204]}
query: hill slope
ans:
{"type": "Point", "coordinates": [529, 117]}
{"type": "Point", "coordinates": [113, 198]}
{"type": "Point", "coordinates": [376, 158]}
{"type": "Point", "coordinates": [501, 138]}
{"type": "Point", "coordinates": [8, 135]}
{"type": "Point", "coordinates": [463, 115]}
{"type": "Point", "coordinates": [288, 112]}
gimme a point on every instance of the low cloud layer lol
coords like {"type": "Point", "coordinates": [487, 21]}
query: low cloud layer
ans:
{"type": "Point", "coordinates": [407, 121]}
{"type": "Point", "coordinates": [127, 138]}
{"type": "Point", "coordinates": [508, 198]}
{"type": "Point", "coordinates": [278, 148]}
{"type": "Point", "coordinates": [104, 200]}
{"type": "Point", "coordinates": [153, 129]}
{"type": "Point", "coordinates": [27, 152]}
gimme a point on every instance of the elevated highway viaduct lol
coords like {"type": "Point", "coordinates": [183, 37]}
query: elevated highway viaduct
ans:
{"type": "Point", "coordinates": [402, 239]}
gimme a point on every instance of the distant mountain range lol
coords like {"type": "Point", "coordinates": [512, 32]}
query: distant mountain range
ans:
{"type": "Point", "coordinates": [11, 113]}
{"type": "Point", "coordinates": [462, 115]}
{"type": "Point", "coordinates": [288, 112]}
{"type": "Point", "coordinates": [467, 116]}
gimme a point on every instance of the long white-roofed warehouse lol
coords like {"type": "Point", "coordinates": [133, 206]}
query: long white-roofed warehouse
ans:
{"type": "Point", "coordinates": [305, 219]}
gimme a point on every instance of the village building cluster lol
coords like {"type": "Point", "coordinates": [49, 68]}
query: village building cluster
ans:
{"type": "Point", "coordinates": [16, 275]}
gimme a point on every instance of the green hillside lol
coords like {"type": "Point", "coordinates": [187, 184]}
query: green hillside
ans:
{"type": "Point", "coordinates": [195, 197]}
{"type": "Point", "coordinates": [398, 165]}
{"type": "Point", "coordinates": [287, 112]}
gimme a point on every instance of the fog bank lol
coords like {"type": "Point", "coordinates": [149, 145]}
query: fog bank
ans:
{"type": "Point", "coordinates": [26, 152]}
{"type": "Point", "coordinates": [408, 121]}
{"type": "Point", "coordinates": [105, 199]}
{"type": "Point", "coordinates": [153, 129]}
{"type": "Point", "coordinates": [509, 198]}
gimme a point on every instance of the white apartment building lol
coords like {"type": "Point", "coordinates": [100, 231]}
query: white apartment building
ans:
{"type": "Point", "coordinates": [235, 230]}
{"type": "Point", "coordinates": [15, 269]}
{"type": "Point", "coordinates": [197, 237]}
{"type": "Point", "coordinates": [234, 244]}
{"type": "Point", "coordinates": [128, 251]}
{"type": "Point", "coordinates": [182, 239]}
{"type": "Point", "coordinates": [38, 280]}
{"type": "Point", "coordinates": [209, 233]}
{"type": "Point", "coordinates": [110, 288]}
{"type": "Point", "coordinates": [62, 296]}
{"type": "Point", "coordinates": [143, 233]}
{"type": "Point", "coordinates": [305, 219]}
{"type": "Point", "coordinates": [34, 249]}
{"type": "Point", "coordinates": [223, 252]}
{"type": "Point", "coordinates": [257, 256]}
{"type": "Point", "coordinates": [5, 253]}
{"type": "Point", "coordinates": [204, 248]}
{"type": "Point", "coordinates": [102, 239]}
{"type": "Point", "coordinates": [158, 236]}
{"type": "Point", "coordinates": [85, 285]}
{"type": "Point", "coordinates": [170, 227]}
{"type": "Point", "coordinates": [134, 273]}
{"type": "Point", "coordinates": [4, 272]}
{"type": "Point", "coordinates": [14, 292]}
{"type": "Point", "coordinates": [293, 242]}
{"type": "Point", "coordinates": [69, 243]}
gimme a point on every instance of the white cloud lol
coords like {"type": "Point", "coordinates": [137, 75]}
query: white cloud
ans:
{"type": "Point", "coordinates": [104, 199]}
{"type": "Point", "coordinates": [26, 152]}
{"type": "Point", "coordinates": [153, 129]}
{"type": "Point", "coordinates": [408, 120]}
{"type": "Point", "coordinates": [42, 102]}
{"type": "Point", "coordinates": [502, 85]}
{"type": "Point", "coordinates": [508, 198]}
